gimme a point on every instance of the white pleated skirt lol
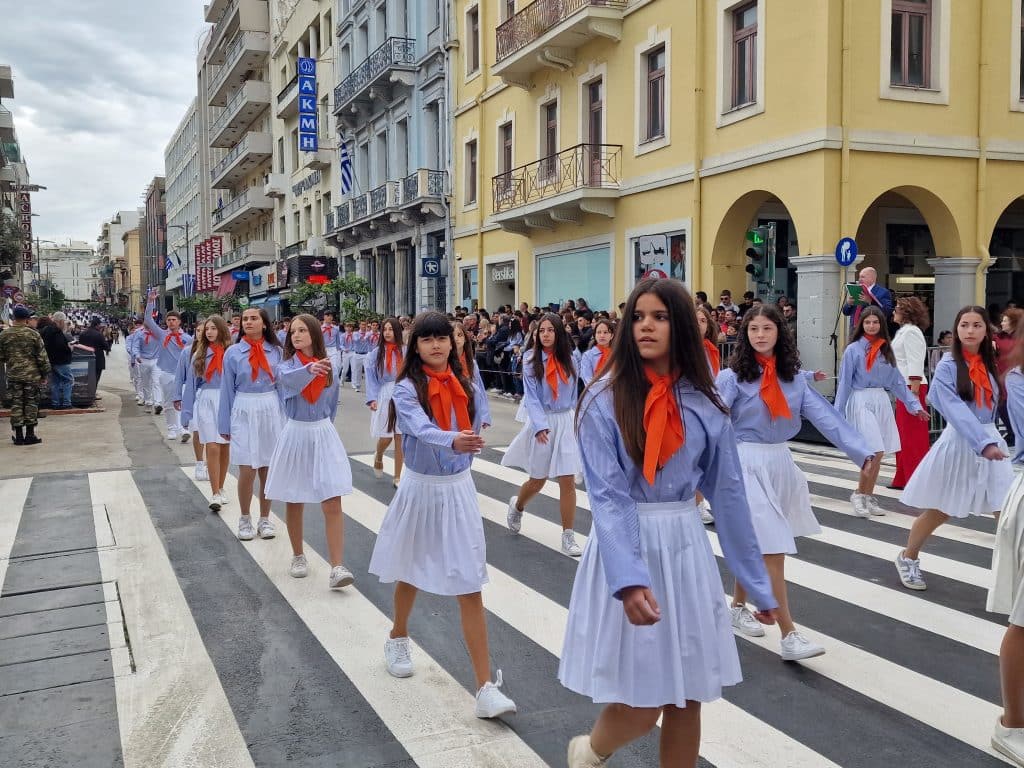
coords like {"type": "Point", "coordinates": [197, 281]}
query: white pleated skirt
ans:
{"type": "Point", "coordinates": [309, 464]}
{"type": "Point", "coordinates": [522, 415]}
{"type": "Point", "coordinates": [558, 458]}
{"type": "Point", "coordinates": [690, 654]}
{"type": "Point", "coordinates": [780, 503]}
{"type": "Point", "coordinates": [204, 420]}
{"type": "Point", "coordinates": [871, 414]}
{"type": "Point", "coordinates": [379, 418]}
{"type": "Point", "coordinates": [1006, 595]}
{"type": "Point", "coordinates": [955, 480]}
{"type": "Point", "coordinates": [256, 423]}
{"type": "Point", "coordinates": [432, 535]}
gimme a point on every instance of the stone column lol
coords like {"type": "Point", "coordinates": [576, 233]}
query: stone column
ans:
{"type": "Point", "coordinates": [401, 284]}
{"type": "Point", "coordinates": [954, 289]}
{"type": "Point", "coordinates": [819, 295]}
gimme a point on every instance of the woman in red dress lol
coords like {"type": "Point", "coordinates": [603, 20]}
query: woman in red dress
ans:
{"type": "Point", "coordinates": [911, 350]}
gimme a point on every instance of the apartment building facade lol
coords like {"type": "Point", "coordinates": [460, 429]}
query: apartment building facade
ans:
{"type": "Point", "coordinates": [153, 238]}
{"type": "Point", "coordinates": [235, 127]}
{"type": "Point", "coordinates": [111, 268]}
{"type": "Point", "coordinates": [391, 105]}
{"type": "Point", "coordinates": [183, 199]}
{"type": "Point", "coordinates": [601, 140]}
{"type": "Point", "coordinates": [70, 269]}
{"type": "Point", "coordinates": [15, 185]}
{"type": "Point", "coordinates": [131, 244]}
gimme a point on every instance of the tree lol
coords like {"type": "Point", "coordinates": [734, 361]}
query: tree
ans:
{"type": "Point", "coordinates": [204, 305]}
{"type": "Point", "coordinates": [353, 293]}
{"type": "Point", "coordinates": [11, 239]}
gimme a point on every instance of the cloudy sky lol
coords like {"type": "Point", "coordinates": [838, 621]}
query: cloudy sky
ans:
{"type": "Point", "coordinates": [99, 87]}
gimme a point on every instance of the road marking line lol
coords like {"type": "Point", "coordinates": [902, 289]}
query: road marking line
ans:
{"type": "Point", "coordinates": [14, 492]}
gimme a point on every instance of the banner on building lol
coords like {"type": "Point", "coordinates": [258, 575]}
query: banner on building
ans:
{"type": "Point", "coordinates": [25, 222]}
{"type": "Point", "coordinates": [207, 253]}
{"type": "Point", "coordinates": [308, 134]}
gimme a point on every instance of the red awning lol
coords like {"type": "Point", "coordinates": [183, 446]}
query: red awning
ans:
{"type": "Point", "coordinates": [227, 285]}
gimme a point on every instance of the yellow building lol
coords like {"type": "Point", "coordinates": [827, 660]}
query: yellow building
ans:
{"type": "Point", "coordinates": [130, 277]}
{"type": "Point", "coordinates": [587, 130]}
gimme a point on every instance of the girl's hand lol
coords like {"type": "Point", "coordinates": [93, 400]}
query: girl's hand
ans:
{"type": "Point", "coordinates": [767, 617]}
{"type": "Point", "coordinates": [542, 436]}
{"type": "Point", "coordinates": [993, 452]}
{"type": "Point", "coordinates": [820, 375]}
{"type": "Point", "coordinates": [923, 415]}
{"type": "Point", "coordinates": [467, 442]}
{"type": "Point", "coordinates": [640, 606]}
{"type": "Point", "coordinates": [372, 405]}
{"type": "Point", "coordinates": [177, 405]}
{"type": "Point", "coordinates": [320, 367]}
{"type": "Point", "coordinates": [153, 294]}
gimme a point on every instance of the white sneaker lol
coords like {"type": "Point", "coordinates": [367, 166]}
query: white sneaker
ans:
{"type": "Point", "coordinates": [215, 504]}
{"type": "Point", "coordinates": [491, 702]}
{"type": "Point", "coordinates": [341, 577]}
{"type": "Point", "coordinates": [569, 545]}
{"type": "Point", "coordinates": [245, 529]}
{"type": "Point", "coordinates": [514, 517]}
{"type": "Point", "coordinates": [743, 621]}
{"type": "Point", "coordinates": [582, 755]}
{"type": "Point", "coordinates": [265, 528]}
{"type": "Point", "coordinates": [910, 573]}
{"type": "Point", "coordinates": [1009, 741]}
{"type": "Point", "coordinates": [299, 568]}
{"type": "Point", "coordinates": [860, 504]}
{"type": "Point", "coordinates": [796, 647]}
{"type": "Point", "coordinates": [705, 512]}
{"type": "Point", "coordinates": [874, 508]}
{"type": "Point", "coordinates": [201, 472]}
{"type": "Point", "coordinates": [221, 499]}
{"type": "Point", "coordinates": [398, 656]}
{"type": "Point", "coordinates": [139, 401]}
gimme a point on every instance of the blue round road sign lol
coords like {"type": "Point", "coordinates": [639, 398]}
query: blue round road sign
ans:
{"type": "Point", "coordinates": [431, 267]}
{"type": "Point", "coordinates": [846, 251]}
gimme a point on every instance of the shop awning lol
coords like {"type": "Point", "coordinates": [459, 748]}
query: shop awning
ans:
{"type": "Point", "coordinates": [227, 286]}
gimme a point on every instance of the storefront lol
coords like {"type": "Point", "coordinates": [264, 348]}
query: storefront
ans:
{"type": "Point", "coordinates": [500, 284]}
{"type": "Point", "coordinates": [659, 255]}
{"type": "Point", "coordinates": [469, 286]}
{"type": "Point", "coordinates": [581, 273]}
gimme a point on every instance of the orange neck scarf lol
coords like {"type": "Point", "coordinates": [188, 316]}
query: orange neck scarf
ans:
{"type": "Point", "coordinates": [979, 378]}
{"type": "Point", "coordinates": [553, 371]}
{"type": "Point", "coordinates": [771, 391]}
{"type": "Point", "coordinates": [874, 346]}
{"type": "Point", "coordinates": [445, 392]}
{"type": "Point", "coordinates": [258, 359]}
{"type": "Point", "coordinates": [603, 353]}
{"type": "Point", "coordinates": [714, 356]}
{"type": "Point", "coordinates": [176, 335]}
{"type": "Point", "coordinates": [348, 337]}
{"type": "Point", "coordinates": [662, 423]}
{"type": "Point", "coordinates": [147, 336]}
{"type": "Point", "coordinates": [328, 331]}
{"type": "Point", "coordinates": [216, 364]}
{"type": "Point", "coordinates": [312, 391]}
{"type": "Point", "coordinates": [392, 354]}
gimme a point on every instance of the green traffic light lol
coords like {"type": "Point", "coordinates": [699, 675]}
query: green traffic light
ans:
{"type": "Point", "coordinates": [755, 237]}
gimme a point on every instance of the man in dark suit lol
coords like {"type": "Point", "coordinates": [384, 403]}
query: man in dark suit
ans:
{"type": "Point", "coordinates": [873, 294]}
{"type": "Point", "coordinates": [93, 337]}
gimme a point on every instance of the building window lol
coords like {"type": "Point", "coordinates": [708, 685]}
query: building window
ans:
{"type": "Point", "coordinates": [744, 55]}
{"type": "Point", "coordinates": [655, 94]}
{"type": "Point", "coordinates": [549, 140]}
{"type": "Point", "coordinates": [473, 42]}
{"type": "Point", "coordinates": [471, 173]}
{"type": "Point", "coordinates": [505, 150]}
{"type": "Point", "coordinates": [508, 9]}
{"type": "Point", "coordinates": [910, 44]}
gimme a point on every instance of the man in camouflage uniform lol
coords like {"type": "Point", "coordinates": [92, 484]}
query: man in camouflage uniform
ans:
{"type": "Point", "coordinates": [22, 350]}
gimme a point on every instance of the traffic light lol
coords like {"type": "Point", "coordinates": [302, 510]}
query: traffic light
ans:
{"type": "Point", "coordinates": [757, 252]}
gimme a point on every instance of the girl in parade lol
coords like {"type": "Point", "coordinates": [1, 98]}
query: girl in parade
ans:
{"type": "Point", "coordinates": [465, 349]}
{"type": "Point", "coordinates": [250, 416]}
{"type": "Point", "coordinates": [648, 633]}
{"type": "Point", "coordinates": [1007, 593]}
{"type": "Point", "coordinates": [201, 401]}
{"type": "Point", "coordinates": [767, 394]}
{"type": "Point", "coordinates": [172, 343]}
{"type": "Point", "coordinates": [709, 340]}
{"type": "Point", "coordinates": [546, 445]}
{"type": "Point", "coordinates": [432, 537]}
{"type": "Point", "coordinates": [867, 372]}
{"type": "Point", "coordinates": [910, 349]}
{"type": "Point", "coordinates": [382, 365]}
{"type": "Point", "coordinates": [310, 465]}
{"type": "Point", "coordinates": [967, 470]}
{"type": "Point", "coordinates": [188, 427]}
{"type": "Point", "coordinates": [332, 339]}
{"type": "Point", "coordinates": [594, 360]}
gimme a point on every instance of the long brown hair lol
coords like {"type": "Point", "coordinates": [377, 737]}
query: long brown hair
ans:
{"type": "Point", "coordinates": [883, 332]}
{"type": "Point", "coordinates": [468, 347]}
{"type": "Point", "coordinates": [427, 325]}
{"type": "Point", "coordinates": [200, 345]}
{"type": "Point", "coordinates": [317, 335]}
{"type": "Point", "coordinates": [964, 385]}
{"type": "Point", "coordinates": [396, 332]}
{"type": "Point", "coordinates": [628, 378]}
{"type": "Point", "coordinates": [712, 331]}
{"type": "Point", "coordinates": [744, 359]}
{"type": "Point", "coordinates": [562, 349]}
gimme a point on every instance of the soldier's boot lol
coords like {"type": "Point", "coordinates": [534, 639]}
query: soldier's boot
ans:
{"type": "Point", "coordinates": [19, 436]}
{"type": "Point", "coordinates": [31, 438]}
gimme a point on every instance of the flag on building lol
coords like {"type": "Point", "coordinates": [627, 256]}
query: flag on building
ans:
{"type": "Point", "coordinates": [346, 169]}
{"type": "Point", "coordinates": [168, 265]}
{"type": "Point", "coordinates": [188, 285]}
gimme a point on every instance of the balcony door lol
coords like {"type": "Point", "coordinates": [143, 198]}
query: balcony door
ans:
{"type": "Point", "coordinates": [595, 132]}
{"type": "Point", "coordinates": [549, 165]}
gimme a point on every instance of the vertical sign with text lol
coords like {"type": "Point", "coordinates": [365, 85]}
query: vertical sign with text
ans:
{"type": "Point", "coordinates": [308, 135]}
{"type": "Point", "coordinates": [25, 223]}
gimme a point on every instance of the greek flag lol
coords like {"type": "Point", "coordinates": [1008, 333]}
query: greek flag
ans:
{"type": "Point", "coordinates": [346, 169]}
{"type": "Point", "coordinates": [168, 265]}
{"type": "Point", "coordinates": [188, 285]}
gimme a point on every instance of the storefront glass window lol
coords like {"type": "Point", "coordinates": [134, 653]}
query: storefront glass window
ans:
{"type": "Point", "coordinates": [585, 273]}
{"type": "Point", "coordinates": [663, 254]}
{"type": "Point", "coordinates": [469, 290]}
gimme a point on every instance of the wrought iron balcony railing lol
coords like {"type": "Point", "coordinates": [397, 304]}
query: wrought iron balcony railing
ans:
{"type": "Point", "coordinates": [583, 166]}
{"type": "Point", "coordinates": [538, 17]}
{"type": "Point", "coordinates": [285, 92]}
{"type": "Point", "coordinates": [395, 51]}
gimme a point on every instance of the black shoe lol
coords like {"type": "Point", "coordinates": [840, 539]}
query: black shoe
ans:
{"type": "Point", "coordinates": [158, 409]}
{"type": "Point", "coordinates": [17, 440]}
{"type": "Point", "coordinates": [32, 440]}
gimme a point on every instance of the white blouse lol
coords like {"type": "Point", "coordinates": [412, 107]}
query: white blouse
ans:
{"type": "Point", "coordinates": [910, 349]}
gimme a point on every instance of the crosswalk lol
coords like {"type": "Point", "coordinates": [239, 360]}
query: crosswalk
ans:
{"type": "Point", "coordinates": [228, 661]}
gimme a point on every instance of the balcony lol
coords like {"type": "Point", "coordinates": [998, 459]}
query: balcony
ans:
{"type": "Point", "coordinates": [547, 33]}
{"type": "Point", "coordinates": [288, 99]}
{"type": "Point", "coordinates": [315, 161]}
{"type": "Point", "coordinates": [214, 10]}
{"type": "Point", "coordinates": [247, 15]}
{"type": "Point", "coordinates": [402, 202]}
{"type": "Point", "coordinates": [393, 63]}
{"type": "Point", "coordinates": [250, 152]}
{"type": "Point", "coordinates": [559, 188]}
{"type": "Point", "coordinates": [247, 54]}
{"type": "Point", "coordinates": [240, 212]}
{"type": "Point", "coordinates": [6, 125]}
{"type": "Point", "coordinates": [276, 186]}
{"type": "Point", "coordinates": [6, 82]}
{"type": "Point", "coordinates": [253, 252]}
{"type": "Point", "coordinates": [245, 106]}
